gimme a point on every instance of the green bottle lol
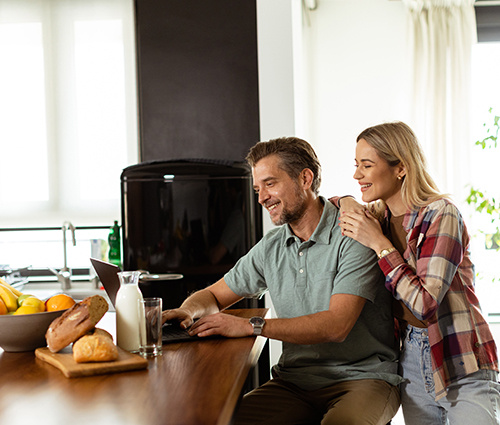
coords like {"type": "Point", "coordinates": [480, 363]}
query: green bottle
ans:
{"type": "Point", "coordinates": [114, 240]}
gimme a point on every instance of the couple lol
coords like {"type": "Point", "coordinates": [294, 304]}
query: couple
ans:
{"type": "Point", "coordinates": [340, 356]}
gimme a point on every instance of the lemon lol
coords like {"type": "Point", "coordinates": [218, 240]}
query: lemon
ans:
{"type": "Point", "coordinates": [33, 302]}
{"type": "Point", "coordinates": [26, 310]}
{"type": "Point", "coordinates": [21, 298]}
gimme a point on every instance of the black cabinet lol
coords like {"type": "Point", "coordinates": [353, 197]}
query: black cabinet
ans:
{"type": "Point", "coordinates": [197, 78]}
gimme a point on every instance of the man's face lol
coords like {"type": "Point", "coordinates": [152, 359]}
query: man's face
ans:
{"type": "Point", "coordinates": [278, 192]}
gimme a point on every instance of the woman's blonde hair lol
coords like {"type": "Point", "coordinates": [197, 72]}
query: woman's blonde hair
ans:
{"type": "Point", "coordinates": [396, 143]}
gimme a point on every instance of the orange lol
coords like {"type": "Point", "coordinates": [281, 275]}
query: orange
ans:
{"type": "Point", "coordinates": [3, 307]}
{"type": "Point", "coordinates": [59, 302]}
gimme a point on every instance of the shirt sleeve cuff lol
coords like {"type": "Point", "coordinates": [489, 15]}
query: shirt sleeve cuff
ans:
{"type": "Point", "coordinates": [390, 261]}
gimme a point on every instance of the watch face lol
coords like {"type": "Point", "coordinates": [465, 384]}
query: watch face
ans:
{"type": "Point", "coordinates": [257, 324]}
{"type": "Point", "coordinates": [257, 321]}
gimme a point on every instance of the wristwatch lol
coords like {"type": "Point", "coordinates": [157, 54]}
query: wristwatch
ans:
{"type": "Point", "coordinates": [386, 251]}
{"type": "Point", "coordinates": [257, 324]}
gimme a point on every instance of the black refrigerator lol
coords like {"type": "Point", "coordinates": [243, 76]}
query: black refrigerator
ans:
{"type": "Point", "coordinates": [190, 217]}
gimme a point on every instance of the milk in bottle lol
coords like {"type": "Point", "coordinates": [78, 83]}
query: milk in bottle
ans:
{"type": "Point", "coordinates": [127, 320]}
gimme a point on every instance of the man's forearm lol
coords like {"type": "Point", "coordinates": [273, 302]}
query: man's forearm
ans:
{"type": "Point", "coordinates": [331, 325]}
{"type": "Point", "coordinates": [310, 329]}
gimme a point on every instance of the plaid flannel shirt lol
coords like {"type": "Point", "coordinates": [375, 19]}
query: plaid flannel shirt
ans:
{"type": "Point", "coordinates": [436, 281]}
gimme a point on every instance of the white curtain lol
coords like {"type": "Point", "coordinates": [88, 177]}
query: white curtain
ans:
{"type": "Point", "coordinates": [442, 33]}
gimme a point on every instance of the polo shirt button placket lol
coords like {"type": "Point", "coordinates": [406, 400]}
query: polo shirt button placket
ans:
{"type": "Point", "coordinates": [301, 269]}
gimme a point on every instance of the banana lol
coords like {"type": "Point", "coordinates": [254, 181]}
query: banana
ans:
{"type": "Point", "coordinates": [14, 290]}
{"type": "Point", "coordinates": [8, 298]}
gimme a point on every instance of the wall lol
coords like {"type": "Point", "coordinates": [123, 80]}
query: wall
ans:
{"type": "Point", "coordinates": [327, 75]}
{"type": "Point", "coordinates": [358, 78]}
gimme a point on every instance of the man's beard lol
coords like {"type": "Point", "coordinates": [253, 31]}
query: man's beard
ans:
{"type": "Point", "coordinates": [296, 212]}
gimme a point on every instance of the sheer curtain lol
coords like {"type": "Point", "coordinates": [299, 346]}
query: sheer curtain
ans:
{"type": "Point", "coordinates": [442, 33]}
{"type": "Point", "coordinates": [68, 113]}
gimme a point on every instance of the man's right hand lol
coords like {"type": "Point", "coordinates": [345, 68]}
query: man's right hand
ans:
{"type": "Point", "coordinates": [180, 315]}
{"type": "Point", "coordinates": [206, 301]}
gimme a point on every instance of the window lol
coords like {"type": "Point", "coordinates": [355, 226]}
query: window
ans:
{"type": "Point", "coordinates": [67, 110]}
{"type": "Point", "coordinates": [484, 166]}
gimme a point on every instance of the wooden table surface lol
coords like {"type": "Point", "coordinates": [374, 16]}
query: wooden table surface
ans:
{"type": "Point", "coordinates": [192, 383]}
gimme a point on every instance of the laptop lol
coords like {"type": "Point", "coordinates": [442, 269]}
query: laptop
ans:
{"type": "Point", "coordinates": [108, 275]}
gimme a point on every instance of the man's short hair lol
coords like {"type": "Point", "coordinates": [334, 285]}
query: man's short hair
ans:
{"type": "Point", "coordinates": [295, 155]}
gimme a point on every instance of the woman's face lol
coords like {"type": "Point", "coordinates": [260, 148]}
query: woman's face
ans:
{"type": "Point", "coordinates": [377, 179]}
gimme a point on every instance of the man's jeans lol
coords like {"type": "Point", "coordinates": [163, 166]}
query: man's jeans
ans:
{"type": "Point", "coordinates": [472, 400]}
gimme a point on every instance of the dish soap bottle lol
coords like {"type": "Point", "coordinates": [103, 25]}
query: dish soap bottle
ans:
{"type": "Point", "coordinates": [127, 318]}
{"type": "Point", "coordinates": [114, 240]}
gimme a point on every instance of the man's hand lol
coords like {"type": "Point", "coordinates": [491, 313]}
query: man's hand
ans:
{"type": "Point", "coordinates": [202, 303]}
{"type": "Point", "coordinates": [180, 315]}
{"type": "Point", "coordinates": [222, 324]}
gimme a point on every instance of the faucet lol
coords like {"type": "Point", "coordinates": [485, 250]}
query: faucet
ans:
{"type": "Point", "coordinates": [64, 275]}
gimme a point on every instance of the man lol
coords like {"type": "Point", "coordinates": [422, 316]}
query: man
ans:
{"type": "Point", "coordinates": [338, 364]}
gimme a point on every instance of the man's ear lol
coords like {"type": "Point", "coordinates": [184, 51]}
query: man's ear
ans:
{"type": "Point", "coordinates": [306, 178]}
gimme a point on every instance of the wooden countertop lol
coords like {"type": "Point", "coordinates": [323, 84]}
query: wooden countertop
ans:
{"type": "Point", "coordinates": [192, 383]}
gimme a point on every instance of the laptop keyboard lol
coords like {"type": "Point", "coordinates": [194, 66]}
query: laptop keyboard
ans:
{"type": "Point", "coordinates": [172, 332]}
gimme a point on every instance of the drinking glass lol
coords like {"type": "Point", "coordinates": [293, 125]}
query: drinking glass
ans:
{"type": "Point", "coordinates": [150, 326]}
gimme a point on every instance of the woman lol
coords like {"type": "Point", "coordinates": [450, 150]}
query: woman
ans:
{"type": "Point", "coordinates": [449, 358]}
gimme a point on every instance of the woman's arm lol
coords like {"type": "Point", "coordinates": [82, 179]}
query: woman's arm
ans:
{"type": "Point", "coordinates": [437, 249]}
{"type": "Point", "coordinates": [438, 242]}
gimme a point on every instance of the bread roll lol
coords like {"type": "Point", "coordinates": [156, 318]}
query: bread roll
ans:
{"type": "Point", "coordinates": [99, 331]}
{"type": "Point", "coordinates": [75, 322]}
{"type": "Point", "coordinates": [94, 348]}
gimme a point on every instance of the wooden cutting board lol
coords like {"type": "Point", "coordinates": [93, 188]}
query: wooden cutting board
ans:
{"type": "Point", "coordinates": [64, 361]}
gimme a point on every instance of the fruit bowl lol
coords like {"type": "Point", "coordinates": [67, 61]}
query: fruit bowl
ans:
{"type": "Point", "coordinates": [25, 332]}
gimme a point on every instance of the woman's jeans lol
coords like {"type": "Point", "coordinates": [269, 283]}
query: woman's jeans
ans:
{"type": "Point", "coordinates": [472, 400]}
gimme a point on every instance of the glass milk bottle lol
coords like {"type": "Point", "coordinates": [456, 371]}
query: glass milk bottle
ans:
{"type": "Point", "coordinates": [127, 321]}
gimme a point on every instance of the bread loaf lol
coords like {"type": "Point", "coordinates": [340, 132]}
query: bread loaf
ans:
{"type": "Point", "coordinates": [97, 347]}
{"type": "Point", "coordinates": [75, 322]}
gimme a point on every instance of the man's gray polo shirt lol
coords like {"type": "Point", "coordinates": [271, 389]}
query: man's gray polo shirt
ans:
{"type": "Point", "coordinates": [301, 277]}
